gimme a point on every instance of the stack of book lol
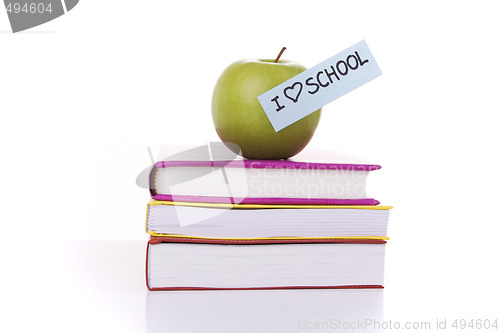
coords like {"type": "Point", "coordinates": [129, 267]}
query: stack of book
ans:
{"type": "Point", "coordinates": [233, 223]}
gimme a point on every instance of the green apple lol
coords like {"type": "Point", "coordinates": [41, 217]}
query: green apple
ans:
{"type": "Point", "coordinates": [240, 119]}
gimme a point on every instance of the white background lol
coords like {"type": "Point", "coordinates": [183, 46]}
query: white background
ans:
{"type": "Point", "coordinates": [83, 96]}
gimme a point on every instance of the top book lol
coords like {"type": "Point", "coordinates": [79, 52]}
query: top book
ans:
{"type": "Point", "coordinates": [214, 174]}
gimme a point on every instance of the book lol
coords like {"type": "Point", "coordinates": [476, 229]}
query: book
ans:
{"type": "Point", "coordinates": [312, 177]}
{"type": "Point", "coordinates": [210, 220]}
{"type": "Point", "coordinates": [174, 263]}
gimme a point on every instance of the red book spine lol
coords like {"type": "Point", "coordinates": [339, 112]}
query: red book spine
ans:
{"type": "Point", "coordinates": [160, 239]}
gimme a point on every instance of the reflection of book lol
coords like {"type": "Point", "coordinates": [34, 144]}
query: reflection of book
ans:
{"type": "Point", "coordinates": [262, 221]}
{"type": "Point", "coordinates": [181, 263]}
{"type": "Point", "coordinates": [324, 178]}
{"type": "Point", "coordinates": [276, 311]}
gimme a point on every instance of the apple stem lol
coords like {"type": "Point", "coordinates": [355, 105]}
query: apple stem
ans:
{"type": "Point", "coordinates": [279, 55]}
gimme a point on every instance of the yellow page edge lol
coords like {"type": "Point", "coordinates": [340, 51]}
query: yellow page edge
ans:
{"type": "Point", "coordinates": [260, 206]}
{"type": "Point", "coordinates": [152, 233]}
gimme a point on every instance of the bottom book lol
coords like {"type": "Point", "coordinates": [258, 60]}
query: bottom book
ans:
{"type": "Point", "coordinates": [183, 263]}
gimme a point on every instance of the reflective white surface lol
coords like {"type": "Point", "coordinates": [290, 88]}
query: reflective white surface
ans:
{"type": "Point", "coordinates": [100, 286]}
{"type": "Point", "coordinates": [113, 273]}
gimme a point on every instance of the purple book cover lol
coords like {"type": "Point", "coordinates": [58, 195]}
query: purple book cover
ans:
{"type": "Point", "coordinates": [301, 162]}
